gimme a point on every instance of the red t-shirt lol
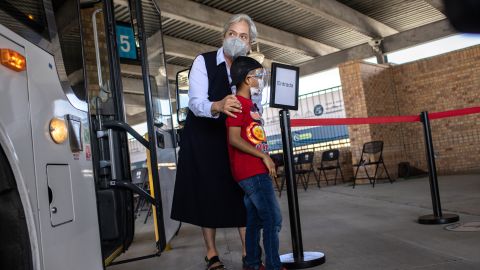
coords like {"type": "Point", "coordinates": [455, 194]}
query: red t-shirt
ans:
{"type": "Point", "coordinates": [244, 165]}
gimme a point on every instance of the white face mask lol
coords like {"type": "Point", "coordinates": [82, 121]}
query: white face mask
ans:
{"type": "Point", "coordinates": [235, 47]}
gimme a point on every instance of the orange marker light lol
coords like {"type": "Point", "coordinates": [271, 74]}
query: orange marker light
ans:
{"type": "Point", "coordinates": [12, 59]}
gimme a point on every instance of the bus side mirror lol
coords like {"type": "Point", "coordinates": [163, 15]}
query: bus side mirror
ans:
{"type": "Point", "coordinates": [182, 95]}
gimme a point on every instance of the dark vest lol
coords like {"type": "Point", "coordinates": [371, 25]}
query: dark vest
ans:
{"type": "Point", "coordinates": [218, 84]}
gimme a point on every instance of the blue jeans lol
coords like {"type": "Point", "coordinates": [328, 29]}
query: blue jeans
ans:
{"type": "Point", "coordinates": [263, 212]}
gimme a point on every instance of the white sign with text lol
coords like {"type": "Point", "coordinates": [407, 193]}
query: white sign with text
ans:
{"type": "Point", "coordinates": [285, 86]}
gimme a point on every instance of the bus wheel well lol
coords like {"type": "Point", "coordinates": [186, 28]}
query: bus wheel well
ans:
{"type": "Point", "coordinates": [15, 251]}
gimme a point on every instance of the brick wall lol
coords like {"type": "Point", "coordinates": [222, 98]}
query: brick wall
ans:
{"type": "Point", "coordinates": [445, 82]}
{"type": "Point", "coordinates": [369, 92]}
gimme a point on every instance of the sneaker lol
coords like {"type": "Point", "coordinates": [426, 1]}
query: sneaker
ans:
{"type": "Point", "coordinates": [262, 267]}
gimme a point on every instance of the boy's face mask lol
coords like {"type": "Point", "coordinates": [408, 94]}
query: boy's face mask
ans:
{"type": "Point", "coordinates": [261, 75]}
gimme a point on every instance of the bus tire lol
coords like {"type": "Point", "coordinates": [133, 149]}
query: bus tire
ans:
{"type": "Point", "coordinates": [15, 251]}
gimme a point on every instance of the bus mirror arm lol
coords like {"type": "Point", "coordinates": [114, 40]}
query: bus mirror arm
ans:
{"type": "Point", "coordinates": [135, 189]}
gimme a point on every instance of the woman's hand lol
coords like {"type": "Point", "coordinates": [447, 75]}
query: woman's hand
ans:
{"type": "Point", "coordinates": [267, 160]}
{"type": "Point", "coordinates": [227, 105]}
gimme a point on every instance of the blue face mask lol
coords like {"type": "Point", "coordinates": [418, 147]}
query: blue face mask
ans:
{"type": "Point", "coordinates": [235, 47]}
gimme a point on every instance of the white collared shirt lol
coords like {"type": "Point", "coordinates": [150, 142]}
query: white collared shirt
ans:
{"type": "Point", "coordinates": [198, 101]}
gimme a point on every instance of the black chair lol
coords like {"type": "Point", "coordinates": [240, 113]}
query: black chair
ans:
{"type": "Point", "coordinates": [278, 160]}
{"type": "Point", "coordinates": [372, 155]}
{"type": "Point", "coordinates": [330, 161]}
{"type": "Point", "coordinates": [140, 179]}
{"type": "Point", "coordinates": [304, 167]}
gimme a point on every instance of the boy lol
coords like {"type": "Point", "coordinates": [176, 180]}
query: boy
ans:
{"type": "Point", "coordinates": [251, 166]}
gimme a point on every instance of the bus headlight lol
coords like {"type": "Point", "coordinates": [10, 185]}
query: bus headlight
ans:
{"type": "Point", "coordinates": [58, 130]}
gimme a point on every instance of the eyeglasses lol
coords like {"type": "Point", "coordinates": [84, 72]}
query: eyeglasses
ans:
{"type": "Point", "coordinates": [259, 73]}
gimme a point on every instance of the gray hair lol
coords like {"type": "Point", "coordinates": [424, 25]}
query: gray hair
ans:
{"type": "Point", "coordinates": [242, 17]}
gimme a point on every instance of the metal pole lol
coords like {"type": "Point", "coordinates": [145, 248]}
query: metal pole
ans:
{"type": "Point", "coordinates": [298, 259]}
{"type": "Point", "coordinates": [152, 135]}
{"type": "Point", "coordinates": [294, 213]}
{"type": "Point", "coordinates": [97, 48]}
{"type": "Point", "coordinates": [438, 217]}
{"type": "Point", "coordinates": [432, 169]}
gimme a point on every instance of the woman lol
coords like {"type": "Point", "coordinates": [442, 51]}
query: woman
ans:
{"type": "Point", "coordinates": [205, 193]}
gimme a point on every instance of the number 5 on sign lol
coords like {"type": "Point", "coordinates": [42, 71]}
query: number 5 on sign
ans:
{"type": "Point", "coordinates": [126, 42]}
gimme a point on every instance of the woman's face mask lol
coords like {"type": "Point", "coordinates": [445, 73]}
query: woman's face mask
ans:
{"type": "Point", "coordinates": [235, 47]}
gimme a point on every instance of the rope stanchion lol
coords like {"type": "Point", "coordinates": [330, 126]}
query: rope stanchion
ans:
{"type": "Point", "coordinates": [298, 259]}
{"type": "Point", "coordinates": [438, 217]}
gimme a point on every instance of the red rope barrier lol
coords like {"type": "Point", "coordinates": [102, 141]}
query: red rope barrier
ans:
{"type": "Point", "coordinates": [451, 113]}
{"type": "Point", "coordinates": [380, 119]}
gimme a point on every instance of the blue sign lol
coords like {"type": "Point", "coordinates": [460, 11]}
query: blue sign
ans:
{"type": "Point", "coordinates": [310, 136]}
{"type": "Point", "coordinates": [318, 110]}
{"type": "Point", "coordinates": [126, 42]}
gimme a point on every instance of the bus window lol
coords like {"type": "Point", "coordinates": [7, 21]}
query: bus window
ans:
{"type": "Point", "coordinates": [25, 17]}
{"type": "Point", "coordinates": [69, 35]}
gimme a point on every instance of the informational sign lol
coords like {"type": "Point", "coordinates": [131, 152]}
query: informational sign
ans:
{"type": "Point", "coordinates": [126, 42]}
{"type": "Point", "coordinates": [284, 87]}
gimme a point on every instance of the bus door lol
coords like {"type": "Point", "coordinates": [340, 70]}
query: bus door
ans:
{"type": "Point", "coordinates": [134, 149]}
{"type": "Point", "coordinates": [159, 120]}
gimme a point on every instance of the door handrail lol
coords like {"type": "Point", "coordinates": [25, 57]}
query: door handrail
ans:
{"type": "Point", "coordinates": [135, 189]}
{"type": "Point", "coordinates": [119, 125]}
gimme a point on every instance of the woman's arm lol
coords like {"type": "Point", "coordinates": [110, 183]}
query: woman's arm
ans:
{"type": "Point", "coordinates": [198, 101]}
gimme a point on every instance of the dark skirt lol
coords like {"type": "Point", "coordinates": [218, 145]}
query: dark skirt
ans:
{"type": "Point", "coordinates": [205, 192]}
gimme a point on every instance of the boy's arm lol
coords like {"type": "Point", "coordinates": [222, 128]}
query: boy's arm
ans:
{"type": "Point", "coordinates": [238, 142]}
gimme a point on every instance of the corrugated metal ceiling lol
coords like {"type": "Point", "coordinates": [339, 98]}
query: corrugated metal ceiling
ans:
{"type": "Point", "coordinates": [400, 15]}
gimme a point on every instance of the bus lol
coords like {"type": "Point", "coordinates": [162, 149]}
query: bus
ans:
{"type": "Point", "coordinates": [75, 77]}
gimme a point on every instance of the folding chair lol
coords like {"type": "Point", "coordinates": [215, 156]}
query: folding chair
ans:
{"type": "Point", "coordinates": [330, 161]}
{"type": "Point", "coordinates": [278, 160]}
{"type": "Point", "coordinates": [139, 178]}
{"type": "Point", "coordinates": [372, 155]}
{"type": "Point", "coordinates": [304, 167]}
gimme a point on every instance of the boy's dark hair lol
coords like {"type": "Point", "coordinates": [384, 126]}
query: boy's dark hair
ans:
{"type": "Point", "coordinates": [241, 67]}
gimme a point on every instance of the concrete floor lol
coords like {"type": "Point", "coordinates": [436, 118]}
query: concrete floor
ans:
{"type": "Point", "coordinates": [361, 228]}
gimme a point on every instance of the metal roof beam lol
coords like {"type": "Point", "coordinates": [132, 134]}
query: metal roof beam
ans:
{"type": "Point", "coordinates": [344, 15]}
{"type": "Point", "coordinates": [402, 40]}
{"type": "Point", "coordinates": [184, 48]}
{"type": "Point", "coordinates": [211, 18]}
{"type": "Point", "coordinates": [136, 70]}
{"type": "Point", "coordinates": [437, 4]}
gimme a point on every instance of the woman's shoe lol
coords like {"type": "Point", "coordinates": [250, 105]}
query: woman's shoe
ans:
{"type": "Point", "coordinates": [214, 263]}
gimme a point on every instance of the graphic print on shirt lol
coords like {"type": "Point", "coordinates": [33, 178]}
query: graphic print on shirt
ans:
{"type": "Point", "coordinates": [255, 132]}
